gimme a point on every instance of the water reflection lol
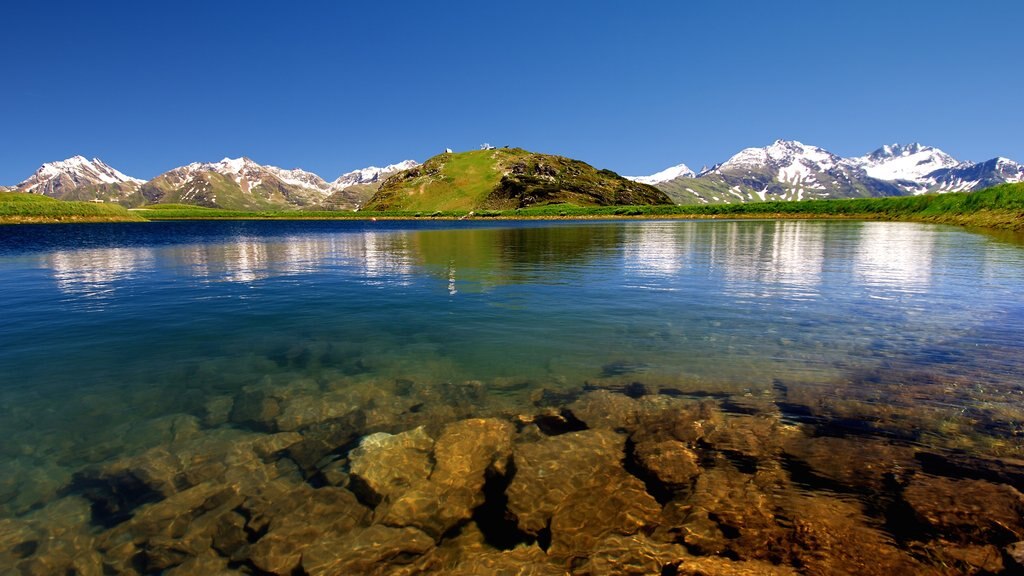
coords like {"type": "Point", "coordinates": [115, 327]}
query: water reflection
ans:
{"type": "Point", "coordinates": [657, 249]}
{"type": "Point", "coordinates": [894, 257]}
{"type": "Point", "coordinates": [93, 274]}
{"type": "Point", "coordinates": [761, 259]}
{"type": "Point", "coordinates": [755, 259]}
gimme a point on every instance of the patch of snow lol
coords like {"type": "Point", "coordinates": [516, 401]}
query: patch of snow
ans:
{"type": "Point", "coordinates": [898, 162]}
{"type": "Point", "coordinates": [371, 174]}
{"type": "Point", "coordinates": [677, 171]}
{"type": "Point", "coordinates": [78, 169]}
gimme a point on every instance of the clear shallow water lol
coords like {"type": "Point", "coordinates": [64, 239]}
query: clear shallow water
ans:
{"type": "Point", "coordinates": [891, 330]}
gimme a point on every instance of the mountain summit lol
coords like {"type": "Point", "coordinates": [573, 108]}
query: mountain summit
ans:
{"type": "Point", "coordinates": [791, 170]}
{"type": "Point", "coordinates": [506, 178]}
{"type": "Point", "coordinates": [79, 178]}
{"type": "Point", "coordinates": [912, 162]}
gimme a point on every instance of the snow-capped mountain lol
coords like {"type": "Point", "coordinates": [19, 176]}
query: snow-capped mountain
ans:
{"type": "Point", "coordinates": [79, 178]}
{"type": "Point", "coordinates": [371, 174]}
{"type": "Point", "coordinates": [968, 176]}
{"type": "Point", "coordinates": [790, 170]}
{"type": "Point", "coordinates": [897, 162]}
{"type": "Point", "coordinates": [784, 170]}
{"type": "Point", "coordinates": [236, 183]}
{"type": "Point", "coordinates": [677, 171]}
{"type": "Point", "coordinates": [355, 188]}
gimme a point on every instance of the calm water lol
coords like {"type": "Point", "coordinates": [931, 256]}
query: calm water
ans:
{"type": "Point", "coordinates": [913, 329]}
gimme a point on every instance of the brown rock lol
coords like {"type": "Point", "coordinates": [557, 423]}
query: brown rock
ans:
{"type": "Point", "coordinates": [374, 550]}
{"type": "Point", "coordinates": [967, 511]}
{"type": "Point", "coordinates": [465, 453]}
{"type": "Point", "coordinates": [385, 466]}
{"type": "Point", "coordinates": [549, 471]}
{"type": "Point", "coordinates": [670, 461]}
{"type": "Point", "coordinates": [606, 410]}
{"type": "Point", "coordinates": [520, 561]}
{"type": "Point", "coordinates": [581, 520]}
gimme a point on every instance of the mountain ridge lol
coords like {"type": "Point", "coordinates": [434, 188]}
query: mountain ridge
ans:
{"type": "Point", "coordinates": [791, 170]}
{"type": "Point", "coordinates": [783, 170]}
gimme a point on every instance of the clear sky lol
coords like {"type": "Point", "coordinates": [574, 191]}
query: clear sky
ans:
{"type": "Point", "coordinates": [631, 86]}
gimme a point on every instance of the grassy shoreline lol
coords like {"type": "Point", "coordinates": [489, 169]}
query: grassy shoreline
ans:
{"type": "Point", "coordinates": [1000, 207]}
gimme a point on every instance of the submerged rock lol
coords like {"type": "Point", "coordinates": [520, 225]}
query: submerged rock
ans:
{"type": "Point", "coordinates": [385, 466]}
{"type": "Point", "coordinates": [670, 462]}
{"type": "Point", "coordinates": [465, 454]}
{"type": "Point", "coordinates": [967, 511]}
{"type": "Point", "coordinates": [575, 487]}
{"type": "Point", "coordinates": [375, 550]}
{"type": "Point", "coordinates": [311, 515]}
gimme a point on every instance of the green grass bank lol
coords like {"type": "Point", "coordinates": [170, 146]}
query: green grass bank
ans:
{"type": "Point", "coordinates": [1000, 207]}
{"type": "Point", "coordinates": [21, 208]}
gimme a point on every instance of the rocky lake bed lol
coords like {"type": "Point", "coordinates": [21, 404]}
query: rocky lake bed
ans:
{"type": "Point", "coordinates": [699, 398]}
{"type": "Point", "coordinates": [616, 476]}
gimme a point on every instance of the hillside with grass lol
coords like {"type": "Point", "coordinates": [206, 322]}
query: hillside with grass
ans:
{"type": "Point", "coordinates": [504, 179]}
{"type": "Point", "coordinates": [24, 208]}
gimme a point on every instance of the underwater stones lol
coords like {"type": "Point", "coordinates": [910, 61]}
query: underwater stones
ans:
{"type": "Point", "coordinates": [585, 516]}
{"type": "Point", "coordinates": [727, 511]}
{"type": "Point", "coordinates": [830, 535]}
{"type": "Point", "coordinates": [308, 409]}
{"type": "Point", "coordinates": [55, 539]}
{"type": "Point", "coordinates": [323, 513]}
{"type": "Point", "coordinates": [759, 437]}
{"type": "Point", "coordinates": [167, 533]}
{"type": "Point", "coordinates": [465, 453]}
{"type": "Point", "coordinates": [324, 438]}
{"type": "Point", "coordinates": [1015, 552]}
{"type": "Point", "coordinates": [27, 482]}
{"type": "Point", "coordinates": [552, 469]}
{"type": "Point", "coordinates": [849, 464]}
{"type": "Point", "coordinates": [387, 465]}
{"type": "Point", "coordinates": [524, 560]}
{"type": "Point", "coordinates": [967, 510]}
{"type": "Point", "coordinates": [374, 550]}
{"type": "Point", "coordinates": [671, 462]}
{"type": "Point", "coordinates": [604, 409]}
{"type": "Point", "coordinates": [225, 455]}
{"type": "Point", "coordinates": [208, 564]}
{"type": "Point", "coordinates": [217, 410]}
{"type": "Point", "coordinates": [629, 555]}
{"type": "Point", "coordinates": [969, 559]}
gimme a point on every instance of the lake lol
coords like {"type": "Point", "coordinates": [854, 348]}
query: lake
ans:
{"type": "Point", "coordinates": [414, 397]}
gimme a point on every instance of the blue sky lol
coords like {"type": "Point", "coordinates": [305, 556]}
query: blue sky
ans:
{"type": "Point", "coordinates": [634, 87]}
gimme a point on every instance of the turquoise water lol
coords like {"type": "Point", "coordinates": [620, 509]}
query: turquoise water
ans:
{"type": "Point", "coordinates": [893, 330]}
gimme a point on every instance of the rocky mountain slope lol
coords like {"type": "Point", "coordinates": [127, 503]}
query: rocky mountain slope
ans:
{"type": "Point", "coordinates": [236, 184]}
{"type": "Point", "coordinates": [79, 178]}
{"type": "Point", "coordinates": [507, 178]}
{"type": "Point", "coordinates": [784, 170]}
{"type": "Point", "coordinates": [239, 184]}
{"type": "Point", "coordinates": [353, 189]}
{"type": "Point", "coordinates": [790, 170]}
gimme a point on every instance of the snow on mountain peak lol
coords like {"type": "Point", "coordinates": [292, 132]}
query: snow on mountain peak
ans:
{"type": "Point", "coordinates": [795, 162]}
{"type": "Point", "coordinates": [904, 162]}
{"type": "Point", "coordinates": [78, 169]}
{"type": "Point", "coordinates": [371, 173]}
{"type": "Point", "coordinates": [677, 171]}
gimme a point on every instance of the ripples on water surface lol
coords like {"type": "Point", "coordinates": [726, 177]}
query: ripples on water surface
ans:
{"type": "Point", "coordinates": [824, 381]}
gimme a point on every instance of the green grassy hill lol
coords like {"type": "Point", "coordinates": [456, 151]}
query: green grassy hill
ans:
{"type": "Point", "coordinates": [507, 178]}
{"type": "Point", "coordinates": [23, 208]}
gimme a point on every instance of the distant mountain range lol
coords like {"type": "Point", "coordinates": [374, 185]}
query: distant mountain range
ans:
{"type": "Point", "coordinates": [790, 170]}
{"type": "Point", "coordinates": [236, 184]}
{"type": "Point", "coordinates": [784, 170]}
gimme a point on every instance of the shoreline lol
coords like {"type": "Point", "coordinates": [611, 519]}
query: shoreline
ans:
{"type": "Point", "coordinates": [1002, 221]}
{"type": "Point", "coordinates": [997, 208]}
